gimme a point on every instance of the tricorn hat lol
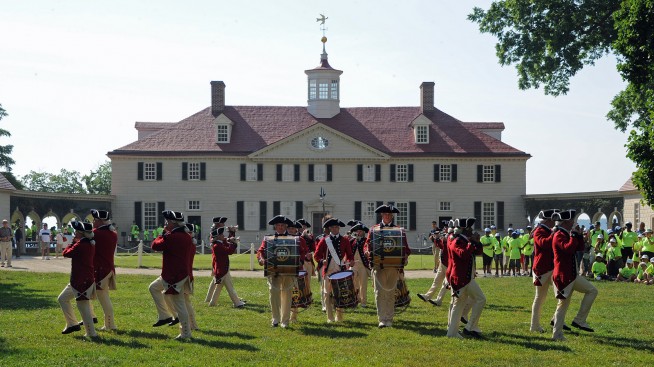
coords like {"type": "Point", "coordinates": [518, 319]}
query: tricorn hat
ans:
{"type": "Point", "coordinates": [173, 215]}
{"type": "Point", "coordinates": [547, 213]}
{"type": "Point", "coordinates": [217, 231]}
{"type": "Point", "coordinates": [279, 219]}
{"type": "Point", "coordinates": [190, 227]}
{"type": "Point", "coordinates": [304, 222]}
{"type": "Point", "coordinates": [219, 219]}
{"type": "Point", "coordinates": [82, 226]}
{"type": "Point", "coordinates": [100, 214]}
{"type": "Point", "coordinates": [387, 209]}
{"type": "Point", "coordinates": [564, 215]}
{"type": "Point", "coordinates": [353, 222]}
{"type": "Point", "coordinates": [333, 222]}
{"type": "Point", "coordinates": [295, 224]}
{"type": "Point", "coordinates": [464, 222]}
{"type": "Point", "coordinates": [360, 227]}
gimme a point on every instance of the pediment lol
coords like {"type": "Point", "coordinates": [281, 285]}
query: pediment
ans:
{"type": "Point", "coordinates": [420, 120]}
{"type": "Point", "coordinates": [318, 142]}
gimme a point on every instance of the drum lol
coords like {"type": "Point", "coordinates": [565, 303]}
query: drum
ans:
{"type": "Point", "coordinates": [282, 255]}
{"type": "Point", "coordinates": [343, 289]}
{"type": "Point", "coordinates": [387, 248]}
{"type": "Point", "coordinates": [301, 296]}
{"type": "Point", "coordinates": [402, 294]}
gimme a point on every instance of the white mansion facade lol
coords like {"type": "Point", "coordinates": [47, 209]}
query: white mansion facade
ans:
{"type": "Point", "coordinates": [249, 163]}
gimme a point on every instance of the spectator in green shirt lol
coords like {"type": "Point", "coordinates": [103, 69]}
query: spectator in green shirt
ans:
{"type": "Point", "coordinates": [499, 263]}
{"type": "Point", "coordinates": [628, 273]}
{"type": "Point", "coordinates": [641, 275]}
{"type": "Point", "coordinates": [600, 245]}
{"type": "Point", "coordinates": [528, 252]}
{"type": "Point", "coordinates": [613, 256]}
{"type": "Point", "coordinates": [515, 245]}
{"type": "Point", "coordinates": [629, 238]}
{"type": "Point", "coordinates": [599, 268]}
{"type": "Point", "coordinates": [648, 244]}
{"type": "Point", "coordinates": [134, 232]}
{"type": "Point", "coordinates": [488, 247]}
{"type": "Point", "coordinates": [650, 272]}
{"type": "Point", "coordinates": [638, 245]}
{"type": "Point", "coordinates": [507, 253]}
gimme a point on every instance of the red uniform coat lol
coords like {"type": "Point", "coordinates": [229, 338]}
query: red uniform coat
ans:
{"type": "Point", "coordinates": [341, 246]}
{"type": "Point", "coordinates": [81, 253]}
{"type": "Point", "coordinates": [461, 257]}
{"type": "Point", "coordinates": [178, 249]}
{"type": "Point", "coordinates": [366, 245]}
{"type": "Point", "coordinates": [358, 250]}
{"type": "Point", "coordinates": [441, 244]}
{"type": "Point", "coordinates": [220, 251]}
{"type": "Point", "coordinates": [105, 248]}
{"type": "Point", "coordinates": [261, 252]}
{"type": "Point", "coordinates": [565, 265]}
{"type": "Point", "coordinates": [543, 252]}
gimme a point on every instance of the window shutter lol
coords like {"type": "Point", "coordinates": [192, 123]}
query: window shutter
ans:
{"type": "Point", "coordinates": [359, 172]}
{"type": "Point", "coordinates": [279, 172]}
{"type": "Point", "coordinates": [478, 214]}
{"type": "Point", "coordinates": [240, 214]}
{"type": "Point", "coordinates": [276, 206]}
{"type": "Point", "coordinates": [377, 172]}
{"type": "Point", "coordinates": [377, 205]}
{"type": "Point", "coordinates": [184, 171]}
{"type": "Point", "coordinates": [500, 215]}
{"type": "Point", "coordinates": [260, 172]}
{"type": "Point", "coordinates": [392, 173]}
{"type": "Point", "coordinates": [161, 206]}
{"type": "Point", "coordinates": [329, 172]}
{"type": "Point", "coordinates": [243, 167]}
{"type": "Point", "coordinates": [480, 173]}
{"type": "Point", "coordinates": [263, 222]}
{"type": "Point", "coordinates": [412, 215]}
{"type": "Point", "coordinates": [203, 171]}
{"type": "Point", "coordinates": [357, 210]}
{"type": "Point", "coordinates": [437, 173]}
{"type": "Point", "coordinates": [299, 209]}
{"type": "Point", "coordinates": [498, 173]}
{"type": "Point", "coordinates": [139, 175]}
{"type": "Point", "coordinates": [138, 213]}
{"type": "Point", "coordinates": [410, 166]}
{"type": "Point", "coordinates": [159, 171]}
{"type": "Point", "coordinates": [311, 173]}
{"type": "Point", "coordinates": [454, 173]}
{"type": "Point", "coordinates": [297, 172]}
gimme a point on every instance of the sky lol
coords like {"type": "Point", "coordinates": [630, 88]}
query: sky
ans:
{"type": "Point", "coordinates": [76, 75]}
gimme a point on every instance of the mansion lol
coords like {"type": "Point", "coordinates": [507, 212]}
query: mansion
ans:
{"type": "Point", "coordinates": [249, 163]}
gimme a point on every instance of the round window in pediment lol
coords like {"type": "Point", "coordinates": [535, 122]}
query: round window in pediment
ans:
{"type": "Point", "coordinates": [319, 143]}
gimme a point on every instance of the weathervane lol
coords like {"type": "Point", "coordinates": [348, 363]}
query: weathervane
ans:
{"type": "Point", "coordinates": [322, 20]}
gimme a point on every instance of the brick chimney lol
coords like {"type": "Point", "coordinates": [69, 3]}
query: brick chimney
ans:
{"type": "Point", "coordinates": [427, 97]}
{"type": "Point", "coordinates": [217, 97]}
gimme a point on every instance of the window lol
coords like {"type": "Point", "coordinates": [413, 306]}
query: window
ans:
{"type": "Point", "coordinates": [288, 173]}
{"type": "Point", "coordinates": [150, 171]}
{"type": "Point", "coordinates": [488, 214]}
{"type": "Point", "coordinates": [193, 171]}
{"type": "Point", "coordinates": [368, 214]}
{"type": "Point", "coordinates": [445, 206]}
{"type": "Point", "coordinates": [636, 215]}
{"type": "Point", "coordinates": [369, 172]}
{"type": "Point", "coordinates": [149, 215]}
{"type": "Point", "coordinates": [320, 172]}
{"type": "Point", "coordinates": [422, 134]}
{"type": "Point", "coordinates": [323, 90]}
{"type": "Point", "coordinates": [251, 172]}
{"type": "Point", "coordinates": [319, 143]}
{"type": "Point", "coordinates": [287, 209]}
{"type": "Point", "coordinates": [222, 134]}
{"type": "Point", "coordinates": [488, 174]}
{"type": "Point", "coordinates": [312, 89]}
{"type": "Point", "coordinates": [445, 173]}
{"type": "Point", "coordinates": [334, 90]}
{"type": "Point", "coordinates": [402, 218]}
{"type": "Point", "coordinates": [251, 217]}
{"type": "Point", "coordinates": [401, 173]}
{"type": "Point", "coordinates": [193, 205]}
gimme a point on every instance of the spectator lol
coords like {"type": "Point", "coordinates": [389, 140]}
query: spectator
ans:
{"type": "Point", "coordinates": [638, 245]}
{"type": "Point", "coordinates": [586, 257]}
{"type": "Point", "coordinates": [650, 272]}
{"type": "Point", "coordinates": [528, 252]}
{"type": "Point", "coordinates": [499, 260]}
{"type": "Point", "coordinates": [614, 257]}
{"type": "Point", "coordinates": [594, 233]}
{"type": "Point", "coordinates": [599, 268]}
{"type": "Point", "coordinates": [507, 253]}
{"type": "Point", "coordinates": [628, 273]}
{"type": "Point", "coordinates": [515, 245]}
{"type": "Point", "coordinates": [641, 228]}
{"type": "Point", "coordinates": [5, 244]}
{"type": "Point", "coordinates": [628, 238]}
{"type": "Point", "coordinates": [600, 246]}
{"type": "Point", "coordinates": [134, 232]}
{"type": "Point", "coordinates": [34, 231]}
{"type": "Point", "coordinates": [488, 243]}
{"type": "Point", "coordinates": [641, 274]}
{"type": "Point", "coordinates": [20, 240]}
{"type": "Point", "coordinates": [648, 244]}
{"type": "Point", "coordinates": [62, 242]}
{"type": "Point", "coordinates": [44, 242]}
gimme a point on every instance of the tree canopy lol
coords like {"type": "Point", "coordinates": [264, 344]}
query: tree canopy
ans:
{"type": "Point", "coordinates": [5, 150]}
{"type": "Point", "coordinates": [549, 41]}
{"type": "Point", "coordinates": [72, 182]}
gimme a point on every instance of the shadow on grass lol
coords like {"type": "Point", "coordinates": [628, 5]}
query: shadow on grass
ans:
{"type": "Point", "coordinates": [103, 339]}
{"type": "Point", "coordinates": [330, 331]}
{"type": "Point", "coordinates": [507, 308]}
{"type": "Point", "coordinates": [421, 328]}
{"type": "Point", "coordinates": [221, 344]}
{"type": "Point", "coordinates": [14, 296]}
{"type": "Point", "coordinates": [5, 349]}
{"type": "Point", "coordinates": [526, 341]}
{"type": "Point", "coordinates": [226, 334]}
{"type": "Point", "coordinates": [144, 334]}
{"type": "Point", "coordinates": [635, 344]}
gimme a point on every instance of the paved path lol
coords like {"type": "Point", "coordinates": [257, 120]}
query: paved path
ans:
{"type": "Point", "coordinates": [62, 265]}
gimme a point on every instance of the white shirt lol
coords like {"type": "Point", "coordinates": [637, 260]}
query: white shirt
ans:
{"type": "Point", "coordinates": [45, 235]}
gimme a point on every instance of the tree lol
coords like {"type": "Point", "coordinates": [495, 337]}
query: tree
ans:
{"type": "Point", "coordinates": [66, 181]}
{"type": "Point", "coordinates": [99, 181]}
{"type": "Point", "coordinates": [5, 150]}
{"type": "Point", "coordinates": [549, 41]}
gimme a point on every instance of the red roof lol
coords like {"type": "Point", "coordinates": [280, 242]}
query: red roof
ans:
{"type": "Point", "coordinates": [628, 186]}
{"type": "Point", "coordinates": [386, 129]}
{"type": "Point", "coordinates": [5, 184]}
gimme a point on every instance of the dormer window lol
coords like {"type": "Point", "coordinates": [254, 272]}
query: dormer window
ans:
{"type": "Point", "coordinates": [421, 129]}
{"type": "Point", "coordinates": [333, 94]}
{"type": "Point", "coordinates": [223, 129]}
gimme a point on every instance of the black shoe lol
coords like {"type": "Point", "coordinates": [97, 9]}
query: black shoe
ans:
{"type": "Point", "coordinates": [433, 302]}
{"type": "Point", "coordinates": [584, 328]}
{"type": "Point", "coordinates": [275, 325]}
{"type": "Point", "coordinates": [422, 297]}
{"type": "Point", "coordinates": [565, 327]}
{"type": "Point", "coordinates": [174, 322]}
{"type": "Point", "coordinates": [95, 321]}
{"type": "Point", "coordinates": [464, 321]}
{"type": "Point", "coordinates": [162, 322]}
{"type": "Point", "coordinates": [71, 329]}
{"type": "Point", "coordinates": [472, 334]}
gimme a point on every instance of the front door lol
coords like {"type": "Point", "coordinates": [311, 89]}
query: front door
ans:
{"type": "Point", "coordinates": [316, 224]}
{"type": "Point", "coordinates": [197, 221]}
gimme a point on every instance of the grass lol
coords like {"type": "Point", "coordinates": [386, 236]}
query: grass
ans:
{"type": "Point", "coordinates": [31, 323]}
{"type": "Point", "coordinates": [242, 261]}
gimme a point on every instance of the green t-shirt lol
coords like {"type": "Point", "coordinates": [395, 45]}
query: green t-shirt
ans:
{"type": "Point", "coordinates": [596, 232]}
{"type": "Point", "coordinates": [627, 272]}
{"type": "Point", "coordinates": [640, 274]}
{"type": "Point", "coordinates": [650, 269]}
{"type": "Point", "coordinates": [498, 246]}
{"type": "Point", "coordinates": [629, 238]}
{"type": "Point", "coordinates": [528, 248]}
{"type": "Point", "coordinates": [648, 244]}
{"type": "Point", "coordinates": [146, 234]}
{"type": "Point", "coordinates": [598, 268]}
{"type": "Point", "coordinates": [134, 230]}
{"type": "Point", "coordinates": [515, 245]}
{"type": "Point", "coordinates": [613, 253]}
{"type": "Point", "coordinates": [488, 243]}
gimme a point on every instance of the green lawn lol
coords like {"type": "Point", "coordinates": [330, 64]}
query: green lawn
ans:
{"type": "Point", "coordinates": [31, 322]}
{"type": "Point", "coordinates": [242, 261]}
